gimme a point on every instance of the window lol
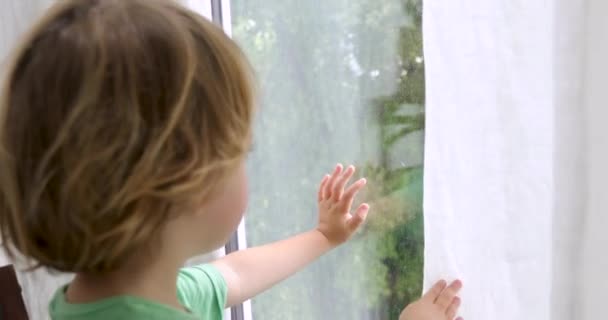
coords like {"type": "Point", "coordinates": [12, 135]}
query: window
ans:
{"type": "Point", "coordinates": [341, 81]}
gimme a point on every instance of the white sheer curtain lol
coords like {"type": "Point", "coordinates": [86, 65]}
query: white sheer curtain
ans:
{"type": "Point", "coordinates": [593, 289]}
{"type": "Point", "coordinates": [569, 157]}
{"type": "Point", "coordinates": [516, 154]}
{"type": "Point", "coordinates": [489, 146]}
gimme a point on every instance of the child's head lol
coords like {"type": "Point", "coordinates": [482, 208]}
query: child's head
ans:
{"type": "Point", "coordinates": [116, 117]}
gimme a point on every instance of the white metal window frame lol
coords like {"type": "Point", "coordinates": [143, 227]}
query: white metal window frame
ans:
{"type": "Point", "coordinates": [219, 11]}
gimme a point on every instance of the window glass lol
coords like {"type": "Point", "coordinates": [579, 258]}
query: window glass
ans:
{"type": "Point", "coordinates": [341, 81]}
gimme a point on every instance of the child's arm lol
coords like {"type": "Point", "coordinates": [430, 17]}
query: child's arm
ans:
{"type": "Point", "coordinates": [251, 271]}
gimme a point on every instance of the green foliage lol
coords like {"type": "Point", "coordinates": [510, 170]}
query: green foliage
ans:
{"type": "Point", "coordinates": [341, 80]}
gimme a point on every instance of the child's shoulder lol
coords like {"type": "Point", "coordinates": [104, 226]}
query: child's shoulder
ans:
{"type": "Point", "coordinates": [203, 290]}
{"type": "Point", "coordinates": [118, 308]}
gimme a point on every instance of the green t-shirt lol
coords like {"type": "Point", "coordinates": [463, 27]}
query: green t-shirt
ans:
{"type": "Point", "coordinates": [201, 290]}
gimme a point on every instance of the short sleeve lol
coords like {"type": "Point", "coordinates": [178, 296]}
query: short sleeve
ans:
{"type": "Point", "coordinates": [203, 290]}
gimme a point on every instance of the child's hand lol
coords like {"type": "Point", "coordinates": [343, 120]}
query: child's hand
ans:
{"type": "Point", "coordinates": [440, 303]}
{"type": "Point", "coordinates": [335, 219]}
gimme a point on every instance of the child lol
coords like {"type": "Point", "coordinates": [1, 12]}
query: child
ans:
{"type": "Point", "coordinates": [124, 130]}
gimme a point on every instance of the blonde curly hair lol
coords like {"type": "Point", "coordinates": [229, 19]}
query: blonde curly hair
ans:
{"type": "Point", "coordinates": [113, 113]}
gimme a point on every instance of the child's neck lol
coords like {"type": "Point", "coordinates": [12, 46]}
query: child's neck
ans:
{"type": "Point", "coordinates": [152, 280]}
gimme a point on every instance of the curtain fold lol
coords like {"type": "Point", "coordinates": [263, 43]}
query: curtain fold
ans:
{"type": "Point", "coordinates": [569, 156]}
{"type": "Point", "coordinates": [592, 281]}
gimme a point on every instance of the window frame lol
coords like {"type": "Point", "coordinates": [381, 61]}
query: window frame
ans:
{"type": "Point", "coordinates": [222, 15]}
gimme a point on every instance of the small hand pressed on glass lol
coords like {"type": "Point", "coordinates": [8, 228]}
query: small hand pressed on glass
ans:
{"type": "Point", "coordinates": [335, 199]}
{"type": "Point", "coordinates": [440, 303]}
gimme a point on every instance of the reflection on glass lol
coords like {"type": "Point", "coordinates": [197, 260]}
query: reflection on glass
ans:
{"type": "Point", "coordinates": [342, 81]}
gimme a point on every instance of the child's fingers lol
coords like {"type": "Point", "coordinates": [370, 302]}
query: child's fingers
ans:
{"type": "Point", "coordinates": [453, 308]}
{"type": "Point", "coordinates": [341, 183]}
{"type": "Point", "coordinates": [358, 217]}
{"type": "Point", "coordinates": [435, 291]}
{"type": "Point", "coordinates": [322, 187]}
{"type": "Point", "coordinates": [447, 295]}
{"type": "Point", "coordinates": [347, 200]}
{"type": "Point", "coordinates": [332, 180]}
